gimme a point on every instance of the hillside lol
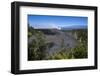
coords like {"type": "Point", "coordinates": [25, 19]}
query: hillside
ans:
{"type": "Point", "coordinates": [56, 40]}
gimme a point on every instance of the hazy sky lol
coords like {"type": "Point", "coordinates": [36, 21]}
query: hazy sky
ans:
{"type": "Point", "coordinates": [47, 21]}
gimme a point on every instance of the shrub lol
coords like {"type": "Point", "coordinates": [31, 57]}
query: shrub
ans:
{"type": "Point", "coordinates": [80, 51]}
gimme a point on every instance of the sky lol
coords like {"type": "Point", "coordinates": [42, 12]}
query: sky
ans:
{"type": "Point", "coordinates": [48, 21]}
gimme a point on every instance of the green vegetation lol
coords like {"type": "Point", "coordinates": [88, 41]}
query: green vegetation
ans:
{"type": "Point", "coordinates": [62, 55]}
{"type": "Point", "coordinates": [74, 53]}
{"type": "Point", "coordinates": [80, 51]}
{"type": "Point", "coordinates": [37, 49]}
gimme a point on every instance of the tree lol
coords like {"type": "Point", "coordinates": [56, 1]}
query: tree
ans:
{"type": "Point", "coordinates": [38, 46]}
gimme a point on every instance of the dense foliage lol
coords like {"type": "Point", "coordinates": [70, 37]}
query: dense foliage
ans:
{"type": "Point", "coordinates": [37, 48]}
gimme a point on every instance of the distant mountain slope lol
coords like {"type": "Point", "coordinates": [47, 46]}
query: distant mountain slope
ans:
{"type": "Point", "coordinates": [72, 28]}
